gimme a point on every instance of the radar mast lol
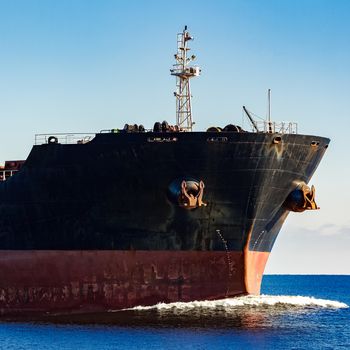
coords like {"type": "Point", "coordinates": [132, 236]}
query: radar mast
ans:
{"type": "Point", "coordinates": [183, 72]}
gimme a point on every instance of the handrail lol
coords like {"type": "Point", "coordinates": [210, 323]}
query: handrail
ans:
{"type": "Point", "coordinates": [5, 174]}
{"type": "Point", "coordinates": [64, 138]}
{"type": "Point", "coordinates": [276, 127]}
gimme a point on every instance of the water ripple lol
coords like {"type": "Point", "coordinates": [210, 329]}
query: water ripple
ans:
{"type": "Point", "coordinates": [261, 301]}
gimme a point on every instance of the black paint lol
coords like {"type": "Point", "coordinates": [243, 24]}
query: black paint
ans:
{"type": "Point", "coordinates": [112, 193]}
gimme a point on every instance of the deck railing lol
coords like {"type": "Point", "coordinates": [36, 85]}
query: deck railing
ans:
{"type": "Point", "coordinates": [5, 174]}
{"type": "Point", "coordinates": [81, 138]}
{"type": "Point", "coordinates": [277, 127]}
{"type": "Point", "coordinates": [64, 138]}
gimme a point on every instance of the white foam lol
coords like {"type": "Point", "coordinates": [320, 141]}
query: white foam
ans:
{"type": "Point", "coordinates": [249, 301]}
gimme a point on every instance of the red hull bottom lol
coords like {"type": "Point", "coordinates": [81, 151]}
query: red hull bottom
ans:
{"type": "Point", "coordinates": [60, 282]}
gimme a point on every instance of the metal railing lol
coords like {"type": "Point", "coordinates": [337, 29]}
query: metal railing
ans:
{"type": "Point", "coordinates": [64, 138]}
{"type": "Point", "coordinates": [277, 127]}
{"type": "Point", "coordinates": [5, 174]}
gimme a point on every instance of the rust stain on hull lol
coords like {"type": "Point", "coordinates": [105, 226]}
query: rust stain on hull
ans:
{"type": "Point", "coordinates": [89, 281]}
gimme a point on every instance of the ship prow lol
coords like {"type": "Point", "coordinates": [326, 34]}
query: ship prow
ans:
{"type": "Point", "coordinates": [135, 216]}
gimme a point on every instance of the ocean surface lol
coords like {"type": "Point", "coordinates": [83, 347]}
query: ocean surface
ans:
{"type": "Point", "coordinates": [293, 312]}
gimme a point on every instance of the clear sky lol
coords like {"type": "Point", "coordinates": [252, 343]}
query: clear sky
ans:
{"type": "Point", "coordinates": [83, 66]}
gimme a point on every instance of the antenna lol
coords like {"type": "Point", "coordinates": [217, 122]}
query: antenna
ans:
{"type": "Point", "coordinates": [269, 110]}
{"type": "Point", "coordinates": [269, 105]}
{"type": "Point", "coordinates": [183, 72]}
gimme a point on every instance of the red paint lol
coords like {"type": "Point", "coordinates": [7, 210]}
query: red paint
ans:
{"type": "Point", "coordinates": [62, 281]}
{"type": "Point", "coordinates": [93, 281]}
{"type": "Point", "coordinates": [254, 266]}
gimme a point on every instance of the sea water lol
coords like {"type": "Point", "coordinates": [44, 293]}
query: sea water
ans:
{"type": "Point", "coordinates": [293, 312]}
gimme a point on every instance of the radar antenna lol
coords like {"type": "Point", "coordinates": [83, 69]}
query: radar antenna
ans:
{"type": "Point", "coordinates": [183, 72]}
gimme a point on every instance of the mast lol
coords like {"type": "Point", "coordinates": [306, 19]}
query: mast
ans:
{"type": "Point", "coordinates": [269, 105]}
{"type": "Point", "coordinates": [269, 110]}
{"type": "Point", "coordinates": [183, 72]}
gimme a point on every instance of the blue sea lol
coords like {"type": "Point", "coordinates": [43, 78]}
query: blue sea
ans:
{"type": "Point", "coordinates": [293, 312]}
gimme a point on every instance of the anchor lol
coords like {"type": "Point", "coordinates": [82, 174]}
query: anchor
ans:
{"type": "Point", "coordinates": [191, 194]}
{"type": "Point", "coordinates": [302, 198]}
{"type": "Point", "coordinates": [187, 193]}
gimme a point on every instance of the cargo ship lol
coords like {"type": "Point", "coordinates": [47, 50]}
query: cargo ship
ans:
{"type": "Point", "coordinates": [127, 217]}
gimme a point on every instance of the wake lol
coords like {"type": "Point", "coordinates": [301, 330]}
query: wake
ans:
{"type": "Point", "coordinates": [250, 301]}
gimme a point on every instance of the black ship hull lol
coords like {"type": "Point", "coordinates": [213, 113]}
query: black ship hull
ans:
{"type": "Point", "coordinates": [98, 226]}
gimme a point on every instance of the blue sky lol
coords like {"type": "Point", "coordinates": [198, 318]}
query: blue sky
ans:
{"type": "Point", "coordinates": [83, 66]}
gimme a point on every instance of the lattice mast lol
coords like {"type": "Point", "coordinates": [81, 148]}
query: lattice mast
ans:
{"type": "Point", "coordinates": [183, 72]}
